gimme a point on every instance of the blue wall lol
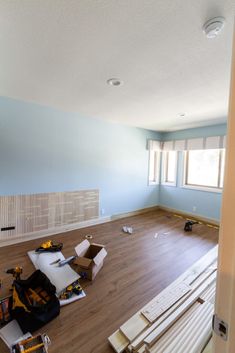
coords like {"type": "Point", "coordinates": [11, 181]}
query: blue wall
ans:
{"type": "Point", "coordinates": [207, 203]}
{"type": "Point", "coordinates": [46, 150]}
{"type": "Point", "coordinates": [214, 130]}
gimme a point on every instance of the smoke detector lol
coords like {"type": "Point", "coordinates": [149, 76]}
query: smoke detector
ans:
{"type": "Point", "coordinates": [114, 82]}
{"type": "Point", "coordinates": [213, 27]}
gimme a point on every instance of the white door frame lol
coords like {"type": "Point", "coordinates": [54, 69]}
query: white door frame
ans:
{"type": "Point", "coordinates": [225, 294]}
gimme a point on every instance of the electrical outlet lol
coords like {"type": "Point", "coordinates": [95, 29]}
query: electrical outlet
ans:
{"type": "Point", "coordinates": [102, 211]}
{"type": "Point", "coordinates": [194, 208]}
{"type": "Point", "coordinates": [4, 229]}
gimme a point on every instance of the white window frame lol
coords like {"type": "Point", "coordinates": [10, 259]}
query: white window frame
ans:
{"type": "Point", "coordinates": [207, 188]}
{"type": "Point", "coordinates": [164, 180]}
{"type": "Point", "coordinates": [157, 158]}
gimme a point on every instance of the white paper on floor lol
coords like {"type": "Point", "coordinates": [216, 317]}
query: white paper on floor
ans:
{"type": "Point", "coordinates": [61, 277]}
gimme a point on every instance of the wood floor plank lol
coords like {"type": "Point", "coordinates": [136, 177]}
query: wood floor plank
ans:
{"type": "Point", "coordinates": [137, 268]}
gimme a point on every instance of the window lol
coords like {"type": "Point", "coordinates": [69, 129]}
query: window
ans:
{"type": "Point", "coordinates": [169, 167]}
{"type": "Point", "coordinates": [154, 158]}
{"type": "Point", "coordinates": [222, 165]}
{"type": "Point", "coordinates": [205, 168]}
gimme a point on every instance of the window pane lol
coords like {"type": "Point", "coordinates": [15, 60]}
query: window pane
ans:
{"type": "Point", "coordinates": [222, 168]}
{"type": "Point", "coordinates": [152, 167]}
{"type": "Point", "coordinates": [171, 165]}
{"type": "Point", "coordinates": [203, 167]}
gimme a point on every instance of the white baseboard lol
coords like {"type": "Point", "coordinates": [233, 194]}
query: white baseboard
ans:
{"type": "Point", "coordinates": [68, 227]}
{"type": "Point", "coordinates": [74, 226]}
{"type": "Point", "coordinates": [213, 221]}
{"type": "Point", "coordinates": [53, 231]}
{"type": "Point", "coordinates": [134, 213]}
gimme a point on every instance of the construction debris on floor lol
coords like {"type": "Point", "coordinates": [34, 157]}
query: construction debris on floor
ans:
{"type": "Point", "coordinates": [37, 300]}
{"type": "Point", "coordinates": [49, 246]}
{"type": "Point", "coordinates": [179, 319]}
{"type": "Point", "coordinates": [188, 227]}
{"type": "Point", "coordinates": [191, 221]}
{"type": "Point", "coordinates": [127, 229]}
{"type": "Point", "coordinates": [37, 344]}
{"type": "Point", "coordinates": [89, 260]}
{"type": "Point", "coordinates": [17, 342]}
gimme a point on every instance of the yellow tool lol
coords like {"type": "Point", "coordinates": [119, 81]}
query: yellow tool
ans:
{"type": "Point", "coordinates": [35, 344]}
{"type": "Point", "coordinates": [49, 246]}
{"type": "Point", "coordinates": [16, 272]}
{"type": "Point", "coordinates": [73, 288]}
{"type": "Point", "coordinates": [35, 298]}
{"type": "Point", "coordinates": [195, 220]}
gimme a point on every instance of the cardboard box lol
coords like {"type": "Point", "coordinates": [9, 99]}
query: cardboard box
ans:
{"type": "Point", "coordinates": [90, 259]}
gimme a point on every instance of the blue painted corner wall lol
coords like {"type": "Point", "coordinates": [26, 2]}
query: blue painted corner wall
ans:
{"type": "Point", "coordinates": [46, 150]}
{"type": "Point", "coordinates": [207, 204]}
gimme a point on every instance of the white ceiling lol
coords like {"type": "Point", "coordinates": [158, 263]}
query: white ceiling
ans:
{"type": "Point", "coordinates": [61, 52]}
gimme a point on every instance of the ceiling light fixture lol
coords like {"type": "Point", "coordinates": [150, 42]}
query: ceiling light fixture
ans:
{"type": "Point", "coordinates": [213, 27]}
{"type": "Point", "coordinates": [114, 82]}
{"type": "Point", "coordinates": [182, 115]}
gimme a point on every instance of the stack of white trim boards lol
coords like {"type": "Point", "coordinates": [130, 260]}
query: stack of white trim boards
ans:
{"type": "Point", "coordinates": [179, 319]}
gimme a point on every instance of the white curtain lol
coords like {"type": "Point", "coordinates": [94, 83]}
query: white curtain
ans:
{"type": "Point", "coordinates": [211, 142]}
{"type": "Point", "coordinates": [154, 145]}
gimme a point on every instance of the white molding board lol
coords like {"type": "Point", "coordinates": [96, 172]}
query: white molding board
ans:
{"type": "Point", "coordinates": [152, 338]}
{"type": "Point", "coordinates": [118, 341]}
{"type": "Point", "coordinates": [194, 276]}
{"type": "Point", "coordinates": [176, 329]}
{"type": "Point", "coordinates": [164, 302]}
{"type": "Point", "coordinates": [193, 336]}
{"type": "Point", "coordinates": [139, 334]}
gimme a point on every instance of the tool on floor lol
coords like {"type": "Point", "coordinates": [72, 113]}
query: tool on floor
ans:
{"type": "Point", "coordinates": [49, 246]}
{"type": "Point", "coordinates": [188, 227]}
{"type": "Point", "coordinates": [55, 262]}
{"type": "Point", "coordinates": [16, 272]}
{"type": "Point", "coordinates": [73, 288]}
{"type": "Point", "coordinates": [36, 344]}
{"type": "Point", "coordinates": [67, 261]}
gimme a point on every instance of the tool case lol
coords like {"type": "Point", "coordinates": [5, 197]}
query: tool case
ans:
{"type": "Point", "coordinates": [36, 344]}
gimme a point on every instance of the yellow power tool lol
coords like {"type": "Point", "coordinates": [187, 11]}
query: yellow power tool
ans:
{"type": "Point", "coordinates": [15, 271]}
{"type": "Point", "coordinates": [49, 246]}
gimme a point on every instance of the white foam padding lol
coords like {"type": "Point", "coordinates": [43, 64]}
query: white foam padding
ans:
{"type": "Point", "coordinates": [11, 333]}
{"type": "Point", "coordinates": [62, 276]}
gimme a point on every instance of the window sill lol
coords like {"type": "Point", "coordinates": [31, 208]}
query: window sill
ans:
{"type": "Point", "coordinates": [153, 183]}
{"type": "Point", "coordinates": [202, 188]}
{"type": "Point", "coordinates": [168, 184]}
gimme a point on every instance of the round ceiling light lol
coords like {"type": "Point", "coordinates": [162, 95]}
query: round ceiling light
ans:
{"type": "Point", "coordinates": [213, 27]}
{"type": "Point", "coordinates": [114, 82]}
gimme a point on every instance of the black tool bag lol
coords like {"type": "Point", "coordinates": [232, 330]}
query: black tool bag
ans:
{"type": "Point", "coordinates": [34, 302]}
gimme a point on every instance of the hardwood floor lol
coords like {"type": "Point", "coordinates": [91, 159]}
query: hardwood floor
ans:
{"type": "Point", "coordinates": [137, 268]}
